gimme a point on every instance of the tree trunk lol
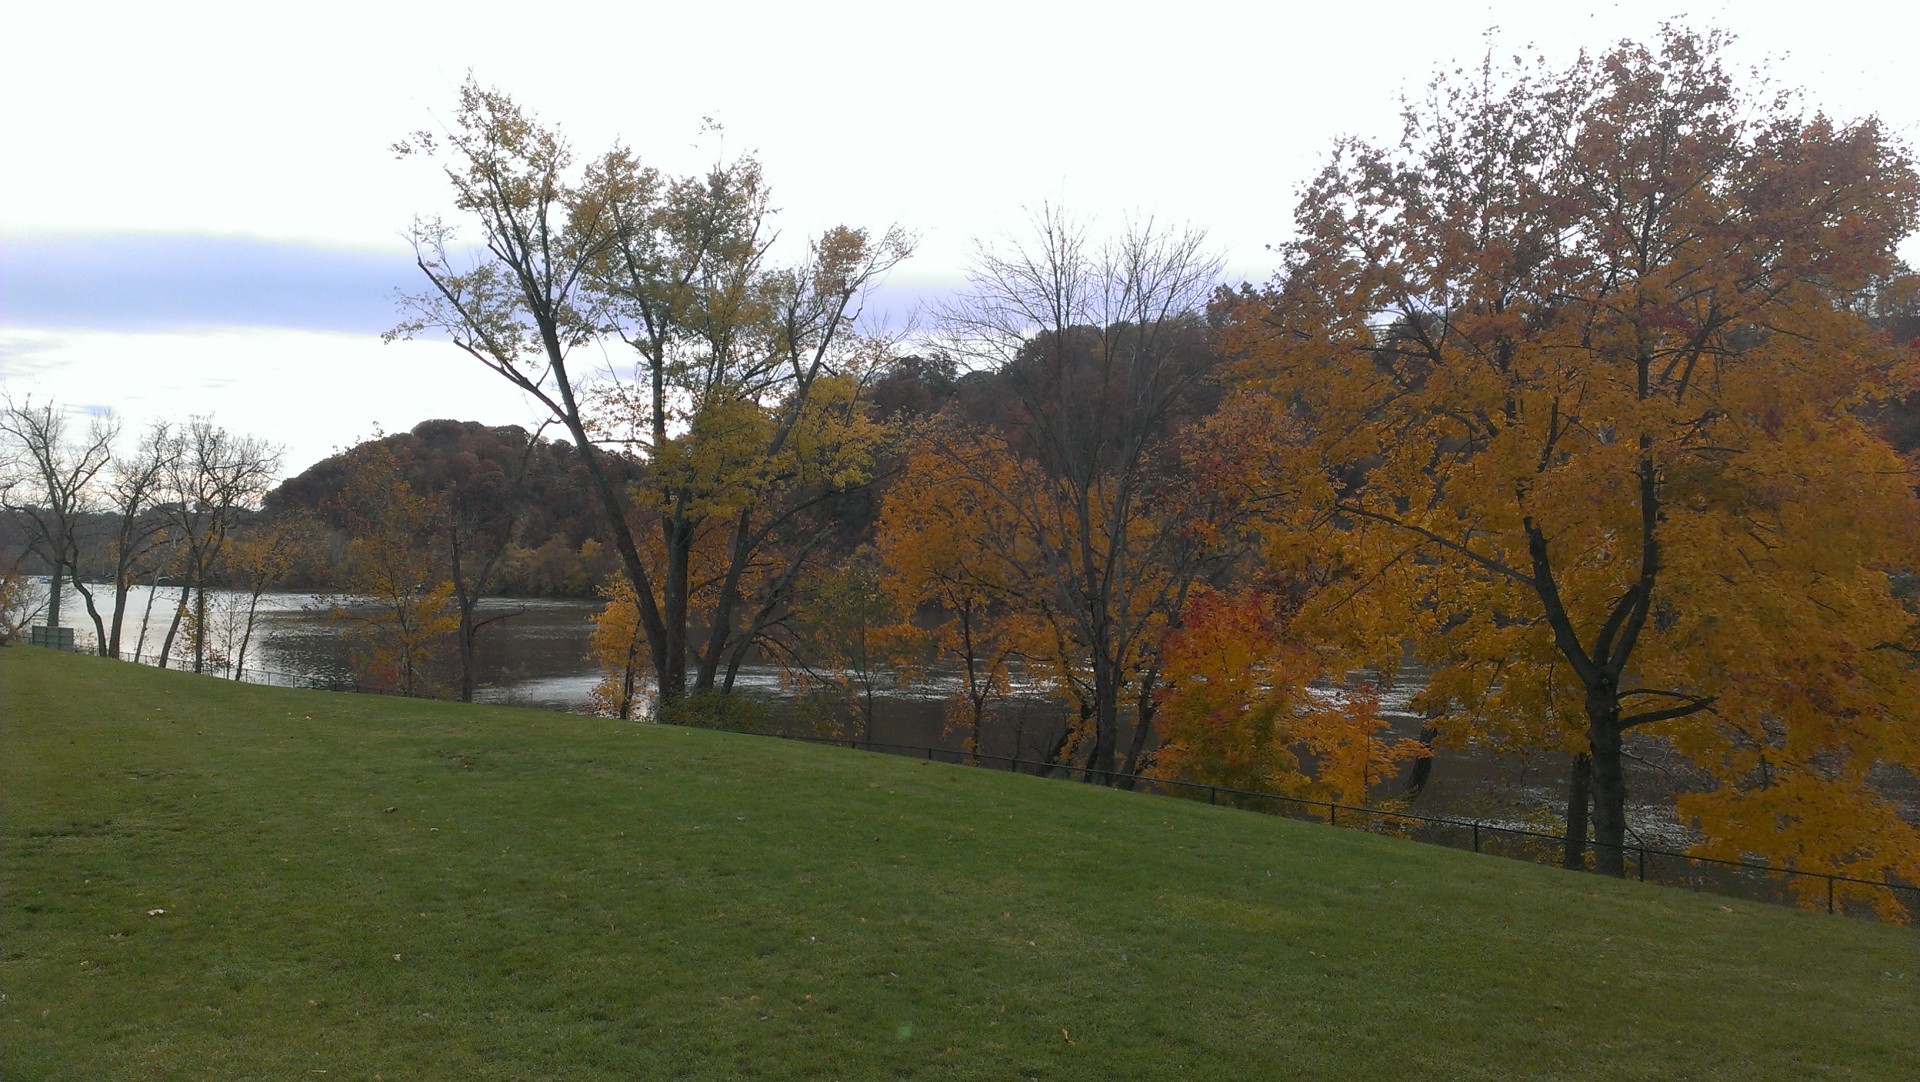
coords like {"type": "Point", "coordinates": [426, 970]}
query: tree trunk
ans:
{"type": "Point", "coordinates": [200, 627]}
{"type": "Point", "coordinates": [1056, 759]}
{"type": "Point", "coordinates": [721, 629]}
{"type": "Point", "coordinates": [461, 600]}
{"type": "Point", "coordinates": [673, 657]}
{"type": "Point", "coordinates": [246, 634]}
{"type": "Point", "coordinates": [976, 698]}
{"type": "Point", "coordinates": [628, 672]}
{"type": "Point", "coordinates": [1423, 766]}
{"type": "Point", "coordinates": [53, 596]}
{"type": "Point", "coordinates": [122, 586]}
{"type": "Point", "coordinates": [467, 631]}
{"type": "Point", "coordinates": [124, 553]}
{"type": "Point", "coordinates": [1142, 726]}
{"type": "Point", "coordinates": [736, 657]}
{"type": "Point", "coordinates": [1106, 720]}
{"type": "Point", "coordinates": [1609, 796]}
{"type": "Point", "coordinates": [146, 619]}
{"type": "Point", "coordinates": [867, 712]}
{"type": "Point", "coordinates": [173, 629]}
{"type": "Point", "coordinates": [1573, 852]}
{"type": "Point", "coordinates": [93, 612]}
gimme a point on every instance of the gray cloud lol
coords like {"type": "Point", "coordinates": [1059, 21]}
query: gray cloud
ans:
{"type": "Point", "coordinates": [148, 282]}
{"type": "Point", "coordinates": [141, 282]}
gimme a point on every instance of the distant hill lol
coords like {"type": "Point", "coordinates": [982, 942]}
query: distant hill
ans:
{"type": "Point", "coordinates": [512, 484]}
{"type": "Point", "coordinates": [442, 455]}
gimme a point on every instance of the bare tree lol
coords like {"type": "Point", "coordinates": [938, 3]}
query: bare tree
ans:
{"type": "Point", "coordinates": [1100, 344]}
{"type": "Point", "coordinates": [51, 485]}
{"type": "Point", "coordinates": [136, 482]}
{"type": "Point", "coordinates": [212, 478]}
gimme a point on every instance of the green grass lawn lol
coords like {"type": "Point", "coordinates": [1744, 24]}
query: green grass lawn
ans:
{"type": "Point", "coordinates": [207, 880]}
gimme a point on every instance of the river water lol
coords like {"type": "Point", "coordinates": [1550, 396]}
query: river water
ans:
{"type": "Point", "coordinates": [537, 656]}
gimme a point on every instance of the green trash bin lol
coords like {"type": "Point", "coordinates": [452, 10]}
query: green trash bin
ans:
{"type": "Point", "coordinates": [59, 637]}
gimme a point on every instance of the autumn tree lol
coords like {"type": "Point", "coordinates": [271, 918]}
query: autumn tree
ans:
{"type": "Point", "coordinates": [400, 604]}
{"type": "Point", "coordinates": [727, 347]}
{"type": "Point", "coordinates": [479, 502]}
{"type": "Point", "coordinates": [936, 540]}
{"type": "Point", "coordinates": [20, 603]}
{"type": "Point", "coordinates": [1097, 347]}
{"type": "Point", "coordinates": [618, 647]}
{"type": "Point", "coordinates": [259, 558]}
{"type": "Point", "coordinates": [1240, 707]}
{"type": "Point", "coordinates": [850, 636]}
{"type": "Point", "coordinates": [1584, 357]}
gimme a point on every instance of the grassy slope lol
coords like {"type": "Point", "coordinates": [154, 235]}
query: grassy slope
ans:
{"type": "Point", "coordinates": [377, 888]}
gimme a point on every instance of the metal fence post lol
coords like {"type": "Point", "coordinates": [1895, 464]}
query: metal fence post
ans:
{"type": "Point", "coordinates": [1333, 815]}
{"type": "Point", "coordinates": [1829, 895]}
{"type": "Point", "coordinates": [1476, 835]}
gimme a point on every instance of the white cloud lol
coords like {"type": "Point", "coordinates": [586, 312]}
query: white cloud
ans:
{"type": "Point", "coordinates": [309, 392]}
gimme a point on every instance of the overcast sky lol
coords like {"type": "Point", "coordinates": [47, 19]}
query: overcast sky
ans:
{"type": "Point", "coordinates": [199, 213]}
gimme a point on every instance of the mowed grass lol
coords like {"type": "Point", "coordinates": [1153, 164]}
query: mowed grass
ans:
{"type": "Point", "coordinates": [382, 889]}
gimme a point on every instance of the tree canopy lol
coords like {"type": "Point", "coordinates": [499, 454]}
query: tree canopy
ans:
{"type": "Point", "coordinates": [736, 401]}
{"type": "Point", "coordinates": [1585, 357]}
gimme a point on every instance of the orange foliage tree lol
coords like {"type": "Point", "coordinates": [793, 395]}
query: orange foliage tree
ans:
{"type": "Point", "coordinates": [949, 546]}
{"type": "Point", "coordinates": [1099, 350]}
{"type": "Point", "coordinates": [1585, 358]}
{"type": "Point", "coordinates": [1239, 708]}
{"type": "Point", "coordinates": [1023, 564]}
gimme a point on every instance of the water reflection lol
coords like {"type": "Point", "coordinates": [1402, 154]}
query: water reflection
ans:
{"type": "Point", "coordinates": [536, 656]}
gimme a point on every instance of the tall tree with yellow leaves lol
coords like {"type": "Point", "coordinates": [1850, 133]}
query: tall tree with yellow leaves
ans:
{"type": "Point", "coordinates": [736, 362]}
{"type": "Point", "coordinates": [1584, 355]}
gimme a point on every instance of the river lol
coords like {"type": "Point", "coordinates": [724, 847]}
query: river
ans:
{"type": "Point", "coordinates": [536, 657]}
